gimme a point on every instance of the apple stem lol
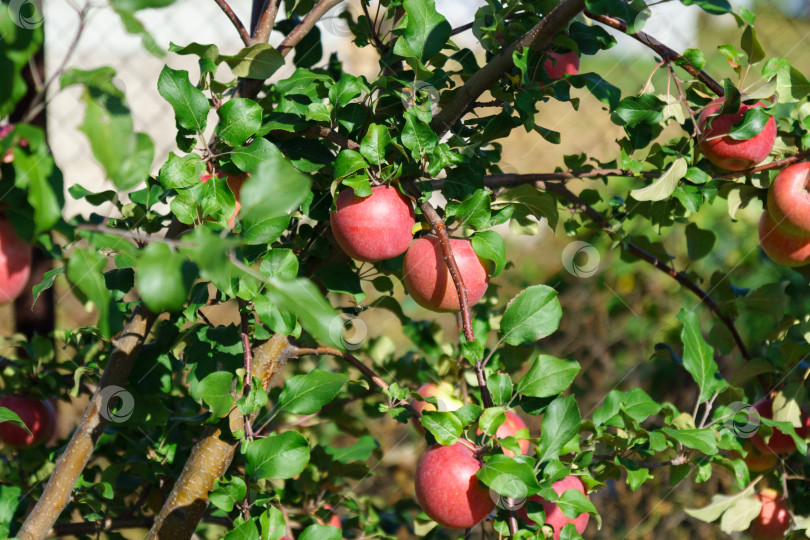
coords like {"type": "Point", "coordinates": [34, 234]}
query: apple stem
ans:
{"type": "Point", "coordinates": [666, 53]}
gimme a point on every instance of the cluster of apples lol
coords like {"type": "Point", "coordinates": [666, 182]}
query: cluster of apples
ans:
{"type": "Point", "coordinates": [447, 488]}
{"type": "Point", "coordinates": [379, 227]}
{"type": "Point", "coordinates": [774, 519]}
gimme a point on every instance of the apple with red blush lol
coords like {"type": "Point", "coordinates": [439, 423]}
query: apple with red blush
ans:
{"type": "Point", "coordinates": [724, 151]}
{"type": "Point", "coordinates": [557, 65]}
{"type": "Point", "coordinates": [779, 443]}
{"type": "Point", "coordinates": [38, 416]}
{"type": "Point", "coordinates": [773, 520]}
{"type": "Point", "coordinates": [15, 263]}
{"type": "Point", "coordinates": [373, 228]}
{"type": "Point", "coordinates": [448, 490]}
{"type": "Point", "coordinates": [510, 428]}
{"type": "Point", "coordinates": [428, 279]}
{"type": "Point", "coordinates": [782, 248]}
{"type": "Point", "coordinates": [789, 199]}
{"type": "Point", "coordinates": [445, 395]}
{"type": "Point", "coordinates": [554, 515]}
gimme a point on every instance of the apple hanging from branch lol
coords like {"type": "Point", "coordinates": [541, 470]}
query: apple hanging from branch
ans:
{"type": "Point", "coordinates": [773, 519]}
{"type": "Point", "coordinates": [722, 149]}
{"type": "Point", "coordinates": [15, 263]}
{"type": "Point", "coordinates": [554, 516]}
{"type": "Point", "coordinates": [557, 65]}
{"type": "Point", "coordinates": [38, 415]}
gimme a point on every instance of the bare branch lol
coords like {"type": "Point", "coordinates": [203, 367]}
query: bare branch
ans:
{"type": "Point", "coordinates": [666, 54]}
{"type": "Point", "coordinates": [536, 38]}
{"type": "Point", "coordinates": [306, 25]}
{"type": "Point", "coordinates": [243, 33]}
{"type": "Point", "coordinates": [264, 28]}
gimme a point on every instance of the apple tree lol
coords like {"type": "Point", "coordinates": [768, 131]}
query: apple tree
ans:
{"type": "Point", "coordinates": [310, 204]}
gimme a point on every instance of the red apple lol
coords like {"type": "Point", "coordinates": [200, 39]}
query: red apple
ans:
{"type": "Point", "coordinates": [15, 263]}
{"type": "Point", "coordinates": [789, 200]}
{"type": "Point", "coordinates": [554, 516]}
{"type": "Point", "coordinates": [558, 65]}
{"type": "Point", "coordinates": [773, 520]}
{"type": "Point", "coordinates": [779, 443]}
{"type": "Point", "coordinates": [445, 395]}
{"type": "Point", "coordinates": [37, 415]}
{"type": "Point", "coordinates": [334, 519]}
{"type": "Point", "coordinates": [755, 460]}
{"type": "Point", "coordinates": [8, 157]}
{"type": "Point", "coordinates": [235, 182]}
{"type": "Point", "coordinates": [447, 488]}
{"type": "Point", "coordinates": [373, 228]}
{"type": "Point", "coordinates": [726, 152]}
{"type": "Point", "coordinates": [780, 246]}
{"type": "Point", "coordinates": [428, 280]}
{"type": "Point", "coordinates": [509, 428]}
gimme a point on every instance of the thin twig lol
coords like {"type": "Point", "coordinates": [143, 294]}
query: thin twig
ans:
{"type": "Point", "coordinates": [778, 164]}
{"type": "Point", "coordinates": [360, 366]}
{"type": "Point", "coordinates": [375, 37]}
{"type": "Point", "coordinates": [243, 33]}
{"type": "Point", "coordinates": [306, 25]}
{"type": "Point", "coordinates": [440, 229]}
{"type": "Point", "coordinates": [666, 54]}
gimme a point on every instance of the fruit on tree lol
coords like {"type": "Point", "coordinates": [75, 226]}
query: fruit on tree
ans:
{"type": "Point", "coordinates": [445, 395]}
{"type": "Point", "coordinates": [558, 65]}
{"type": "Point", "coordinates": [781, 247]}
{"type": "Point", "coordinates": [789, 200]}
{"type": "Point", "coordinates": [725, 152]}
{"type": "Point", "coordinates": [38, 415]}
{"type": "Point", "coordinates": [15, 263]}
{"type": "Point", "coordinates": [779, 443]}
{"type": "Point", "coordinates": [235, 182]}
{"type": "Point", "coordinates": [428, 279]}
{"type": "Point", "coordinates": [554, 515]}
{"type": "Point", "coordinates": [447, 488]}
{"type": "Point", "coordinates": [373, 228]}
{"type": "Point", "coordinates": [757, 461]}
{"type": "Point", "coordinates": [509, 428]}
{"type": "Point", "coordinates": [334, 519]}
{"type": "Point", "coordinates": [773, 520]}
{"type": "Point", "coordinates": [8, 157]}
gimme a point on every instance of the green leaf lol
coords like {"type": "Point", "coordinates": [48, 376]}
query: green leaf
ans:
{"type": "Point", "coordinates": [423, 31]}
{"type": "Point", "coordinates": [321, 532]}
{"type": "Point", "coordinates": [359, 451]}
{"type": "Point", "coordinates": [718, 505]}
{"type": "Point", "coordinates": [750, 45]}
{"type": "Point", "coordinates": [347, 163]}
{"type": "Point", "coordinates": [532, 315]}
{"type": "Point", "coordinates": [665, 185]}
{"type": "Point", "coordinates": [239, 119]}
{"type": "Point", "coordinates": [274, 189]}
{"type": "Point", "coordinates": [359, 184]}
{"type": "Point", "coordinates": [508, 477]}
{"type": "Point", "coordinates": [751, 125]}
{"type": "Point", "coordinates": [529, 201]}
{"type": "Point", "coordinates": [500, 387]}
{"type": "Point", "coordinates": [248, 158]}
{"type": "Point", "coordinates": [47, 282]}
{"type": "Point", "coordinates": [417, 136]}
{"type": "Point", "coordinates": [164, 278]}
{"type": "Point", "coordinates": [180, 172]}
{"type": "Point", "coordinates": [215, 390]}
{"type": "Point", "coordinates": [7, 415]}
{"type": "Point", "coordinates": [638, 405]}
{"type": "Point", "coordinates": [374, 144]}
{"type": "Point", "coordinates": [474, 211]}
{"type": "Point", "coordinates": [84, 270]}
{"type": "Point", "coordinates": [279, 455]}
{"type": "Point", "coordinates": [338, 277]}
{"type": "Point", "coordinates": [699, 243]}
{"type": "Point", "coordinates": [695, 57]}
{"type": "Point", "coordinates": [548, 376]}
{"type": "Point", "coordinates": [189, 103]}
{"type": "Point", "coordinates": [346, 89]}
{"type": "Point", "coordinates": [573, 503]}
{"type": "Point", "coordinates": [702, 440]}
{"type": "Point", "coordinates": [125, 155]}
{"type": "Point", "coordinates": [244, 531]}
{"type": "Point", "coordinates": [42, 181]}
{"type": "Point", "coordinates": [491, 419]}
{"type": "Point", "coordinates": [306, 394]}
{"type": "Point", "coordinates": [302, 297]}
{"type": "Point", "coordinates": [259, 61]}
{"type": "Point", "coordinates": [698, 357]}
{"type": "Point", "coordinates": [489, 245]}
{"type": "Point", "coordinates": [445, 426]}
{"type": "Point", "coordinates": [646, 109]}
{"type": "Point", "coordinates": [560, 425]}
